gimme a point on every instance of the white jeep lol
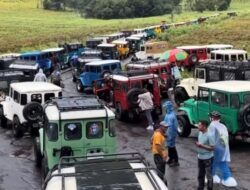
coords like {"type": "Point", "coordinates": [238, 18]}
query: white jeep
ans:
{"type": "Point", "coordinates": [229, 55]}
{"type": "Point", "coordinates": [116, 171]}
{"type": "Point", "coordinates": [23, 99]}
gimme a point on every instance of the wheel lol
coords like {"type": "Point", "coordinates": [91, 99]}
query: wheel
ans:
{"type": "Point", "coordinates": [180, 95]}
{"type": "Point", "coordinates": [184, 128]}
{"type": "Point", "coordinates": [244, 116]}
{"type": "Point", "coordinates": [119, 112]}
{"type": "Point", "coordinates": [37, 152]}
{"type": "Point", "coordinates": [132, 96]}
{"type": "Point", "coordinates": [17, 128]}
{"type": "Point", "coordinates": [79, 86]}
{"type": "Point", "coordinates": [33, 111]}
{"type": "Point", "coordinates": [105, 74]}
{"type": "Point", "coordinates": [44, 167]}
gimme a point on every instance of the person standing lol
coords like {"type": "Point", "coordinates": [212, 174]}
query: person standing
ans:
{"type": "Point", "coordinates": [40, 76]}
{"type": "Point", "coordinates": [146, 104]}
{"type": "Point", "coordinates": [159, 149]}
{"type": "Point", "coordinates": [171, 119]}
{"type": "Point", "coordinates": [221, 152]}
{"type": "Point", "coordinates": [205, 146]}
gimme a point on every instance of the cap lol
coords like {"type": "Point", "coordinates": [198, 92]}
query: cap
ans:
{"type": "Point", "coordinates": [215, 114]}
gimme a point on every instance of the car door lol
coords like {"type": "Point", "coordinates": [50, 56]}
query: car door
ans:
{"type": "Point", "coordinates": [203, 102]}
{"type": "Point", "coordinates": [200, 78]}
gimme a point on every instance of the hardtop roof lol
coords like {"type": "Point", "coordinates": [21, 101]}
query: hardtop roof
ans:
{"type": "Point", "coordinates": [102, 62]}
{"type": "Point", "coordinates": [229, 51]}
{"type": "Point", "coordinates": [26, 87]}
{"type": "Point", "coordinates": [228, 86]}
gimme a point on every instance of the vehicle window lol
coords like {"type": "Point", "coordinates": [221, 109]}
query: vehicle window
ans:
{"type": "Point", "coordinates": [92, 69]}
{"type": "Point", "coordinates": [233, 57]}
{"type": "Point", "coordinates": [226, 57]}
{"type": "Point", "coordinates": [194, 51]}
{"type": "Point", "coordinates": [98, 69]}
{"type": "Point", "coordinates": [229, 76]}
{"type": "Point", "coordinates": [214, 75]}
{"type": "Point", "coordinates": [33, 58]}
{"type": "Point", "coordinates": [106, 67]}
{"type": "Point", "coordinates": [52, 131]}
{"type": "Point", "coordinates": [136, 85]}
{"type": "Point", "coordinates": [246, 99]}
{"type": "Point", "coordinates": [240, 57]}
{"type": "Point", "coordinates": [235, 101]}
{"type": "Point", "coordinates": [203, 95]}
{"type": "Point", "coordinates": [48, 96]}
{"type": "Point", "coordinates": [94, 130]}
{"type": "Point", "coordinates": [23, 99]}
{"type": "Point", "coordinates": [219, 57]}
{"type": "Point", "coordinates": [113, 66]}
{"type": "Point", "coordinates": [16, 96]}
{"type": "Point", "coordinates": [212, 56]}
{"type": "Point", "coordinates": [60, 94]}
{"type": "Point", "coordinates": [200, 74]}
{"type": "Point", "coordinates": [3, 84]}
{"type": "Point", "coordinates": [112, 131]}
{"type": "Point", "coordinates": [209, 50]}
{"type": "Point", "coordinates": [36, 98]}
{"type": "Point", "coordinates": [72, 131]}
{"type": "Point", "coordinates": [219, 98]}
{"type": "Point", "coordinates": [87, 68]}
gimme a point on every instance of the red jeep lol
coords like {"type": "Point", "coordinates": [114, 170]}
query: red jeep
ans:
{"type": "Point", "coordinates": [163, 69]}
{"type": "Point", "coordinates": [195, 54]}
{"type": "Point", "coordinates": [122, 90]}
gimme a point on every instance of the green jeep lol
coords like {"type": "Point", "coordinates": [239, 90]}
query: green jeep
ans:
{"type": "Point", "coordinates": [230, 98]}
{"type": "Point", "coordinates": [74, 126]}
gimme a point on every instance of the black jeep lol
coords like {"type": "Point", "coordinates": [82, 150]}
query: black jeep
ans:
{"type": "Point", "coordinates": [5, 62]}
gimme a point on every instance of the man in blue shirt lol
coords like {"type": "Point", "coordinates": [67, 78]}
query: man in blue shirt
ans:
{"type": "Point", "coordinates": [205, 146]}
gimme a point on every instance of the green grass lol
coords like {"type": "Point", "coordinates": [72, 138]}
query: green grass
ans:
{"type": "Point", "coordinates": [26, 27]}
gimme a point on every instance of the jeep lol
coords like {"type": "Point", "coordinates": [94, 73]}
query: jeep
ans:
{"type": "Point", "coordinates": [74, 126]}
{"type": "Point", "coordinates": [195, 55]}
{"type": "Point", "coordinates": [163, 69]}
{"type": "Point", "coordinates": [229, 55]}
{"type": "Point", "coordinates": [42, 58]}
{"type": "Point", "coordinates": [93, 43]}
{"type": "Point", "coordinates": [123, 90]}
{"type": "Point", "coordinates": [230, 98]}
{"type": "Point", "coordinates": [5, 62]}
{"type": "Point", "coordinates": [122, 47]}
{"type": "Point", "coordinates": [109, 51]}
{"type": "Point", "coordinates": [115, 171]}
{"type": "Point", "coordinates": [135, 43]}
{"type": "Point", "coordinates": [23, 95]}
{"type": "Point", "coordinates": [29, 68]}
{"type": "Point", "coordinates": [89, 55]}
{"type": "Point", "coordinates": [96, 70]}
{"type": "Point", "coordinates": [208, 72]}
{"type": "Point", "coordinates": [212, 47]}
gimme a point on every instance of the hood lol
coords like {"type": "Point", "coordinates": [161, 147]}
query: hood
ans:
{"type": "Point", "coordinates": [169, 106]}
{"type": "Point", "coordinates": [41, 71]}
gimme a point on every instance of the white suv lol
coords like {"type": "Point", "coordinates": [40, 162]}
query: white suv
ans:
{"type": "Point", "coordinates": [22, 94]}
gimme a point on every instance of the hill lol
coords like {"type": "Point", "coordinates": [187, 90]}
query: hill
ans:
{"type": "Point", "coordinates": [25, 26]}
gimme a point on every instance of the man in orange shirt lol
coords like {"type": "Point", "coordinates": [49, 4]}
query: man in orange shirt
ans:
{"type": "Point", "coordinates": [159, 149]}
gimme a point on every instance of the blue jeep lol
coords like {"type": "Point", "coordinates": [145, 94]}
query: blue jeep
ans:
{"type": "Point", "coordinates": [96, 70]}
{"type": "Point", "coordinates": [42, 58]}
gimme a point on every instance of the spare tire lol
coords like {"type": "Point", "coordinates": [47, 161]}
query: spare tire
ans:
{"type": "Point", "coordinates": [105, 74]}
{"type": "Point", "coordinates": [193, 59]}
{"type": "Point", "coordinates": [180, 95]}
{"type": "Point", "coordinates": [132, 96]}
{"type": "Point", "coordinates": [33, 111]}
{"type": "Point", "coordinates": [244, 116]}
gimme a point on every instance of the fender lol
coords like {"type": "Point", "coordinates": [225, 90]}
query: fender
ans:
{"type": "Point", "coordinates": [7, 108]}
{"type": "Point", "coordinates": [189, 113]}
{"type": "Point", "coordinates": [188, 84]}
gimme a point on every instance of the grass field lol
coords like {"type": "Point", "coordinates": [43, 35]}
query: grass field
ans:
{"type": "Point", "coordinates": [25, 26]}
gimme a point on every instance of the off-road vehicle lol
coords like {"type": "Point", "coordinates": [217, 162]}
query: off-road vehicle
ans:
{"type": "Point", "coordinates": [5, 62]}
{"type": "Point", "coordinates": [74, 126]}
{"type": "Point", "coordinates": [209, 72]}
{"type": "Point", "coordinates": [212, 47]}
{"type": "Point", "coordinates": [109, 51]}
{"type": "Point", "coordinates": [125, 88]}
{"type": "Point", "coordinates": [230, 98]}
{"type": "Point", "coordinates": [116, 171]}
{"type": "Point", "coordinates": [89, 55]}
{"type": "Point", "coordinates": [225, 55]}
{"type": "Point", "coordinates": [94, 71]}
{"type": "Point", "coordinates": [21, 106]}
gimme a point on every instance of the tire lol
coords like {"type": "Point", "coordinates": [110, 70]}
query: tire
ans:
{"type": "Point", "coordinates": [33, 112]}
{"type": "Point", "coordinates": [132, 96]}
{"type": "Point", "coordinates": [244, 116]}
{"type": "Point", "coordinates": [37, 152]}
{"type": "Point", "coordinates": [180, 96]}
{"type": "Point", "coordinates": [79, 86]}
{"type": "Point", "coordinates": [184, 128]}
{"type": "Point", "coordinates": [105, 74]}
{"type": "Point", "coordinates": [44, 167]}
{"type": "Point", "coordinates": [17, 128]}
{"type": "Point", "coordinates": [3, 120]}
{"type": "Point", "coordinates": [119, 112]}
{"type": "Point", "coordinates": [193, 59]}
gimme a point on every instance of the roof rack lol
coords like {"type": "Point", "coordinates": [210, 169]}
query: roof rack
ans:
{"type": "Point", "coordinates": [71, 103]}
{"type": "Point", "coordinates": [132, 73]}
{"type": "Point", "coordinates": [228, 64]}
{"type": "Point", "coordinates": [111, 162]}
